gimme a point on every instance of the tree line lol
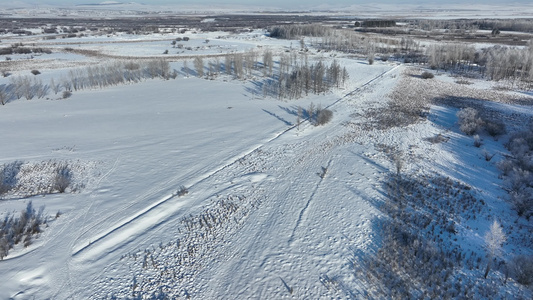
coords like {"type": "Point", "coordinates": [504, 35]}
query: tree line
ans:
{"type": "Point", "coordinates": [295, 77]}
{"type": "Point", "coordinates": [99, 76]}
{"type": "Point", "coordinates": [494, 63]}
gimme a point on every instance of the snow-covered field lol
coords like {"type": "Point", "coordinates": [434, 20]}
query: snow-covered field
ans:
{"type": "Point", "coordinates": [205, 188]}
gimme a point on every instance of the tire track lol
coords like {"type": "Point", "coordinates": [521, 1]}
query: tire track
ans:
{"type": "Point", "coordinates": [309, 200]}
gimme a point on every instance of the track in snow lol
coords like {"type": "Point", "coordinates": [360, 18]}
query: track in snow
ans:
{"type": "Point", "coordinates": [153, 215]}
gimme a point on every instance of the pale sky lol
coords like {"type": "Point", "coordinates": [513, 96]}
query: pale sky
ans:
{"type": "Point", "coordinates": [282, 3]}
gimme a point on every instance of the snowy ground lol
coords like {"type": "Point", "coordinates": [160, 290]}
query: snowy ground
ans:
{"type": "Point", "coordinates": [273, 210]}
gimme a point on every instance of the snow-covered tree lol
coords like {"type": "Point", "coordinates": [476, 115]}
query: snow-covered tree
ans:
{"type": "Point", "coordinates": [494, 240]}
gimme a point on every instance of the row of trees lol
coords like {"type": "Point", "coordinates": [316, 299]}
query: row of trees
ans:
{"type": "Point", "coordinates": [523, 25]}
{"type": "Point", "coordinates": [297, 81]}
{"type": "Point", "coordinates": [495, 63]}
{"type": "Point", "coordinates": [239, 65]}
{"type": "Point", "coordinates": [99, 76]}
{"type": "Point", "coordinates": [451, 56]}
{"type": "Point", "coordinates": [294, 78]}
{"type": "Point", "coordinates": [23, 86]}
{"type": "Point", "coordinates": [517, 171]}
{"type": "Point", "coordinates": [298, 30]}
{"type": "Point", "coordinates": [115, 73]}
{"type": "Point", "coordinates": [509, 63]}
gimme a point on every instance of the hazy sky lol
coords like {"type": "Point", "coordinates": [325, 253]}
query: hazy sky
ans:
{"type": "Point", "coordinates": [280, 3]}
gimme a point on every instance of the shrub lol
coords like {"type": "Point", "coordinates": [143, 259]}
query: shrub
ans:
{"type": "Point", "coordinates": [462, 81]}
{"type": "Point", "coordinates": [8, 176]}
{"type": "Point", "coordinates": [477, 141]}
{"type": "Point", "coordinates": [487, 155]}
{"type": "Point", "coordinates": [3, 96]}
{"type": "Point", "coordinates": [62, 178]}
{"type": "Point", "coordinates": [67, 94]}
{"type": "Point", "coordinates": [522, 269]}
{"type": "Point", "coordinates": [439, 138]}
{"type": "Point", "coordinates": [182, 191]}
{"type": "Point", "coordinates": [35, 72]}
{"type": "Point", "coordinates": [523, 202]}
{"type": "Point", "coordinates": [131, 66]}
{"type": "Point", "coordinates": [469, 121]}
{"type": "Point", "coordinates": [6, 51]}
{"type": "Point", "coordinates": [323, 172]}
{"type": "Point", "coordinates": [323, 116]}
{"type": "Point", "coordinates": [518, 172]}
{"type": "Point", "coordinates": [494, 127]}
{"type": "Point", "coordinates": [14, 230]}
{"type": "Point", "coordinates": [427, 75]}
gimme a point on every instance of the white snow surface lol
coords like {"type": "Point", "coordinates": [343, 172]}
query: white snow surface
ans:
{"type": "Point", "coordinates": [291, 204]}
{"type": "Point", "coordinates": [147, 140]}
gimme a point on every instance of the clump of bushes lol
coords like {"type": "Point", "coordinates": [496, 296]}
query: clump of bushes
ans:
{"type": "Point", "coordinates": [318, 115]}
{"type": "Point", "coordinates": [8, 176]}
{"type": "Point", "coordinates": [182, 191]}
{"type": "Point", "coordinates": [437, 139]}
{"type": "Point", "coordinates": [517, 171]}
{"type": "Point", "coordinates": [29, 179]}
{"type": "Point", "coordinates": [427, 75]}
{"type": "Point", "coordinates": [62, 178]}
{"type": "Point", "coordinates": [494, 127]}
{"type": "Point", "coordinates": [323, 116]}
{"type": "Point", "coordinates": [522, 269]}
{"type": "Point", "coordinates": [67, 94]}
{"type": "Point", "coordinates": [15, 230]}
{"type": "Point", "coordinates": [471, 122]}
{"type": "Point", "coordinates": [419, 256]}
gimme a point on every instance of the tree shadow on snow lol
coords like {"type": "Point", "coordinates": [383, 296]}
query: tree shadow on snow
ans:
{"type": "Point", "coordinates": [278, 117]}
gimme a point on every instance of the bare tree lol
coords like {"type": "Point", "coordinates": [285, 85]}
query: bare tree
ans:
{"type": "Point", "coordinates": [186, 68]}
{"type": "Point", "coordinates": [494, 240]}
{"type": "Point", "coordinates": [267, 63]}
{"type": "Point", "coordinates": [41, 90]}
{"type": "Point", "coordinates": [299, 116]}
{"type": "Point", "coordinates": [67, 84]}
{"type": "Point", "coordinates": [311, 111]}
{"type": "Point", "coordinates": [18, 89]}
{"type": "Point", "coordinates": [27, 88]}
{"type": "Point", "coordinates": [211, 69]}
{"type": "Point", "coordinates": [238, 64]}
{"type": "Point", "coordinates": [55, 87]}
{"type": "Point", "coordinates": [345, 75]}
{"type": "Point", "coordinates": [3, 96]}
{"type": "Point", "coordinates": [227, 64]}
{"type": "Point", "coordinates": [199, 66]}
{"type": "Point", "coordinates": [398, 161]}
{"type": "Point", "coordinates": [217, 66]}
